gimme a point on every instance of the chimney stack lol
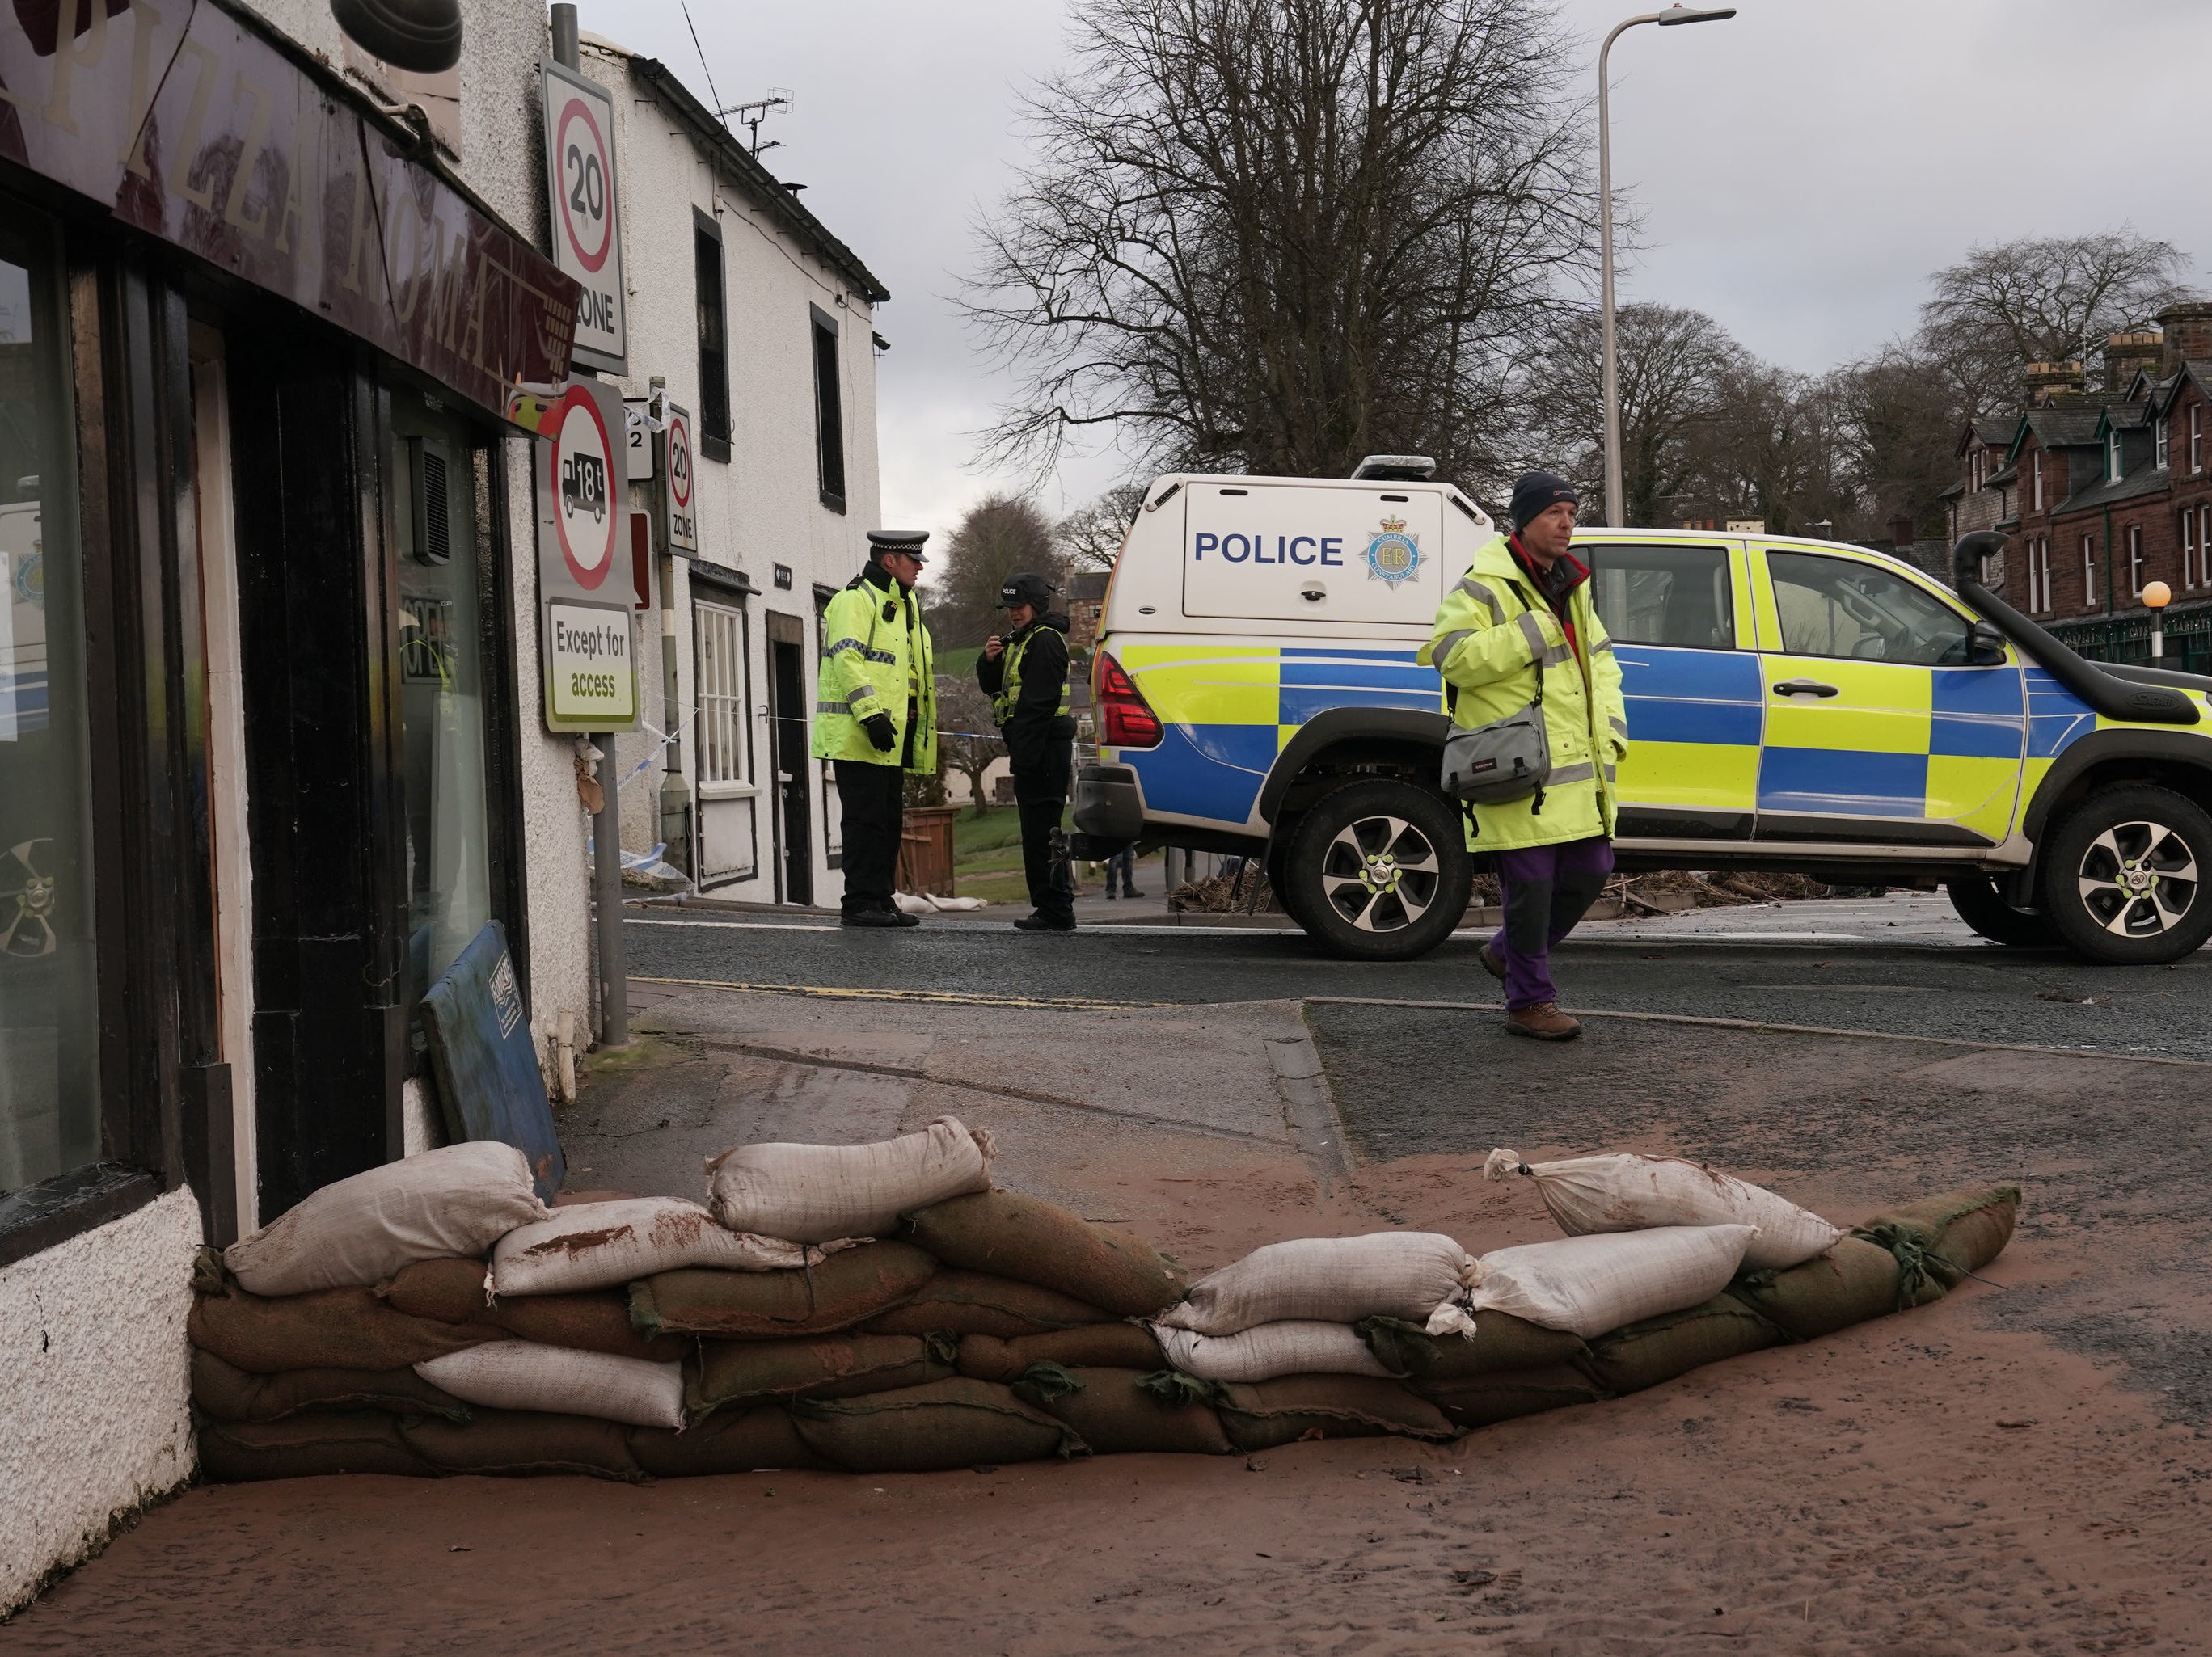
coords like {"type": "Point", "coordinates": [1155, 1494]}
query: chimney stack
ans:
{"type": "Point", "coordinates": [2125, 352]}
{"type": "Point", "coordinates": [2188, 336]}
{"type": "Point", "coordinates": [2045, 383]}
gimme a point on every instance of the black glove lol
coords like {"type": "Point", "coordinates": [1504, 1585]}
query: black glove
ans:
{"type": "Point", "coordinates": [880, 732]}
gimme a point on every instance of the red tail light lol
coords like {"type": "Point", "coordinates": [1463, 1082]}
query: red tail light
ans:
{"type": "Point", "coordinates": [1127, 719]}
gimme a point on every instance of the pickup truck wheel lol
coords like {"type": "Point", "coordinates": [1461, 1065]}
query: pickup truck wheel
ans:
{"type": "Point", "coordinates": [1983, 907]}
{"type": "Point", "coordinates": [1279, 872]}
{"type": "Point", "coordinates": [2124, 876]}
{"type": "Point", "coordinates": [1379, 871]}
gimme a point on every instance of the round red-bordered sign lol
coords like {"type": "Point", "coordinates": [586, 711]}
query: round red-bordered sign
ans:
{"type": "Point", "coordinates": [594, 179]}
{"type": "Point", "coordinates": [679, 461]}
{"type": "Point", "coordinates": [584, 506]}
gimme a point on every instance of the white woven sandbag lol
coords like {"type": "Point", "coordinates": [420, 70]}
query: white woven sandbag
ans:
{"type": "Point", "coordinates": [1628, 1192]}
{"type": "Point", "coordinates": [817, 1193]}
{"type": "Point", "coordinates": [594, 1245]}
{"type": "Point", "coordinates": [1589, 1285]}
{"type": "Point", "coordinates": [1300, 1347]}
{"type": "Point", "coordinates": [459, 1200]}
{"type": "Point", "coordinates": [521, 1374]}
{"type": "Point", "coordinates": [1400, 1274]}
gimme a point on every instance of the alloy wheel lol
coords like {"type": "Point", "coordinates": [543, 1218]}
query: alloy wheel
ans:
{"type": "Point", "coordinates": [2138, 879]}
{"type": "Point", "coordinates": [1380, 874]}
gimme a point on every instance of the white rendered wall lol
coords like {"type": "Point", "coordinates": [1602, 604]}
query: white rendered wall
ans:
{"type": "Point", "coordinates": [763, 508]}
{"type": "Point", "coordinates": [94, 1383]}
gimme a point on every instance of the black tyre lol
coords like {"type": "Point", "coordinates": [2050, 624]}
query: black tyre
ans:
{"type": "Point", "coordinates": [1278, 871]}
{"type": "Point", "coordinates": [1379, 871]}
{"type": "Point", "coordinates": [1983, 907]}
{"type": "Point", "coordinates": [2122, 875]}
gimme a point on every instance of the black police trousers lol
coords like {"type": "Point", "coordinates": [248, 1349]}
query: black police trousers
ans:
{"type": "Point", "coordinates": [873, 800]}
{"type": "Point", "coordinates": [1052, 882]}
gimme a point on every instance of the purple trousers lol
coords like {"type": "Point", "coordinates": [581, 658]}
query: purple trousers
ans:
{"type": "Point", "coordinates": [1545, 891]}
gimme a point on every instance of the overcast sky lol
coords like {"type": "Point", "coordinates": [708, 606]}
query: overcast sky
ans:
{"type": "Point", "coordinates": [1800, 168]}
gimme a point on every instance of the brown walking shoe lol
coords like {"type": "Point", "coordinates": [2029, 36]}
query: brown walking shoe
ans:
{"type": "Point", "coordinates": [1488, 955]}
{"type": "Point", "coordinates": [1543, 1022]}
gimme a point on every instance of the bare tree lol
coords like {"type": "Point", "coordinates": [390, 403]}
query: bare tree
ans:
{"type": "Point", "coordinates": [1275, 235]}
{"type": "Point", "coordinates": [1780, 452]}
{"type": "Point", "coordinates": [1902, 418]}
{"type": "Point", "coordinates": [965, 740]}
{"type": "Point", "coordinates": [2040, 300]}
{"type": "Point", "coordinates": [1001, 534]}
{"type": "Point", "coordinates": [1674, 366]}
{"type": "Point", "coordinates": [1090, 536]}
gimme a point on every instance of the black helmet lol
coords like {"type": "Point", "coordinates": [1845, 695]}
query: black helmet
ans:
{"type": "Point", "coordinates": [1023, 588]}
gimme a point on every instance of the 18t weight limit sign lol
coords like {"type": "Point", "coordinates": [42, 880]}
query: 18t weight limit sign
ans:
{"type": "Point", "coordinates": [580, 166]}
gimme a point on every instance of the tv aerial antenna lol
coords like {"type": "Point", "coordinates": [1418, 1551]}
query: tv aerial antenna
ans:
{"type": "Point", "coordinates": [750, 116]}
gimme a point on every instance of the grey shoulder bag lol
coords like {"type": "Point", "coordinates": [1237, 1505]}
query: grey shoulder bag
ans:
{"type": "Point", "coordinates": [1507, 760]}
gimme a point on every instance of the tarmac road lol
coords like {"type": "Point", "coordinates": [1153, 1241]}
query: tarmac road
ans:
{"type": "Point", "coordinates": [1828, 976]}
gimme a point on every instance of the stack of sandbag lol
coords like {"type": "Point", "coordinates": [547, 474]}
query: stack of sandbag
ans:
{"type": "Point", "coordinates": [786, 1326]}
{"type": "Point", "coordinates": [1548, 1325]}
{"type": "Point", "coordinates": [881, 1309]}
{"type": "Point", "coordinates": [433, 1316]}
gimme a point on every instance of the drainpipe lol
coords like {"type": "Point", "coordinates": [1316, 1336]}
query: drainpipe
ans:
{"type": "Point", "coordinates": [675, 792]}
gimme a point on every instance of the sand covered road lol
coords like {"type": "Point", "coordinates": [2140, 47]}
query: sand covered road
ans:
{"type": "Point", "coordinates": [1972, 1478]}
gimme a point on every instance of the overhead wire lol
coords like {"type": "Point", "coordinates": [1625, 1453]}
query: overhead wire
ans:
{"type": "Point", "coordinates": [721, 114]}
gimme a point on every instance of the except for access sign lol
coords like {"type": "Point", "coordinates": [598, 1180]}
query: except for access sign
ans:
{"type": "Point", "coordinates": [681, 494]}
{"type": "Point", "coordinates": [582, 480]}
{"type": "Point", "coordinates": [591, 671]}
{"type": "Point", "coordinates": [580, 166]}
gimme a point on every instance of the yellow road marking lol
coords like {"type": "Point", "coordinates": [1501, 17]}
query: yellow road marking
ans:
{"type": "Point", "coordinates": [944, 998]}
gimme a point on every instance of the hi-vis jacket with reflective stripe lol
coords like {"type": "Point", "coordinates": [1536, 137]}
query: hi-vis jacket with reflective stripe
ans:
{"type": "Point", "coordinates": [1493, 635]}
{"type": "Point", "coordinates": [875, 658]}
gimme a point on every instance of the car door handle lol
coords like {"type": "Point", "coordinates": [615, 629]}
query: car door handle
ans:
{"type": "Point", "coordinates": [1804, 688]}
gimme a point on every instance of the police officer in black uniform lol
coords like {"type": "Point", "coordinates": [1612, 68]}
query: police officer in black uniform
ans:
{"type": "Point", "coordinates": [1025, 675]}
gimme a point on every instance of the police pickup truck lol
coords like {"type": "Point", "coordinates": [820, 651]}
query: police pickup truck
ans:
{"type": "Point", "coordinates": [1793, 705]}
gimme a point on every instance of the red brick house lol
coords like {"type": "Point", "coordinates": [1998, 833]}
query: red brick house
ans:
{"type": "Point", "coordinates": [2100, 494]}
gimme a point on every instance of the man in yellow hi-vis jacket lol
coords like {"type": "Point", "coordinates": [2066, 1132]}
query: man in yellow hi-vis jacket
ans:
{"type": "Point", "coordinates": [1523, 609]}
{"type": "Point", "coordinates": [875, 716]}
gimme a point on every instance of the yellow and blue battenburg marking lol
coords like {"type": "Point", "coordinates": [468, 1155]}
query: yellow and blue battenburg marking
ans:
{"type": "Point", "coordinates": [1956, 745]}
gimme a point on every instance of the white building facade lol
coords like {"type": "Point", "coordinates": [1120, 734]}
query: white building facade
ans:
{"type": "Point", "coordinates": [761, 326]}
{"type": "Point", "coordinates": [272, 748]}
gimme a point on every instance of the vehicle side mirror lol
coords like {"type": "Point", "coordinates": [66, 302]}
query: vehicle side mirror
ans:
{"type": "Point", "coordinates": [1986, 645]}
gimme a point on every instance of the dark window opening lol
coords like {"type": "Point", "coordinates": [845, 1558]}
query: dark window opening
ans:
{"type": "Point", "coordinates": [828, 415]}
{"type": "Point", "coordinates": [714, 345]}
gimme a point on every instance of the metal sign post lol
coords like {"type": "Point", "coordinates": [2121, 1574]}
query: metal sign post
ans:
{"type": "Point", "coordinates": [580, 166]}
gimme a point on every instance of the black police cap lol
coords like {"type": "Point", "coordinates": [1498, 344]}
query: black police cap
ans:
{"type": "Point", "coordinates": [905, 543]}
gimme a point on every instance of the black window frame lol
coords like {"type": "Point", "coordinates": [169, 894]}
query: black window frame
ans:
{"type": "Point", "coordinates": [710, 280]}
{"type": "Point", "coordinates": [829, 408]}
{"type": "Point", "coordinates": [1595, 555]}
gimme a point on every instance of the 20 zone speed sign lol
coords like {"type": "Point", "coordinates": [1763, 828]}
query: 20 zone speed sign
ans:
{"type": "Point", "coordinates": [580, 167]}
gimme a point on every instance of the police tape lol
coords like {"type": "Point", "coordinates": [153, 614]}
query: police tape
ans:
{"type": "Point", "coordinates": [940, 997]}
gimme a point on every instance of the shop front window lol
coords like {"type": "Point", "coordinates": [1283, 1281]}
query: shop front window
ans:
{"type": "Point", "coordinates": [49, 1080]}
{"type": "Point", "coordinates": [441, 687]}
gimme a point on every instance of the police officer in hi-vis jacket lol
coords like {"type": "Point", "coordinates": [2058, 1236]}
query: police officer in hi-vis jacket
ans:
{"type": "Point", "coordinates": [875, 716]}
{"type": "Point", "coordinates": [1025, 675]}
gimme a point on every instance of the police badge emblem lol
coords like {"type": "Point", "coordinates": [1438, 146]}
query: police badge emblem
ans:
{"type": "Point", "coordinates": [1392, 555]}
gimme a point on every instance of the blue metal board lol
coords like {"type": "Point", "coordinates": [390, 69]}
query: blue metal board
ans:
{"type": "Point", "coordinates": [485, 1062]}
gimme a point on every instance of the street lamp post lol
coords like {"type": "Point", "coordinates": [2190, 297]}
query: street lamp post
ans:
{"type": "Point", "coordinates": [2156, 597]}
{"type": "Point", "coordinates": [1667, 18]}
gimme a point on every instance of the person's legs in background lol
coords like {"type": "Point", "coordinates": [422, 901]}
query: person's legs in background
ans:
{"type": "Point", "coordinates": [1121, 865]}
{"type": "Point", "coordinates": [873, 799]}
{"type": "Point", "coordinates": [1049, 898]}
